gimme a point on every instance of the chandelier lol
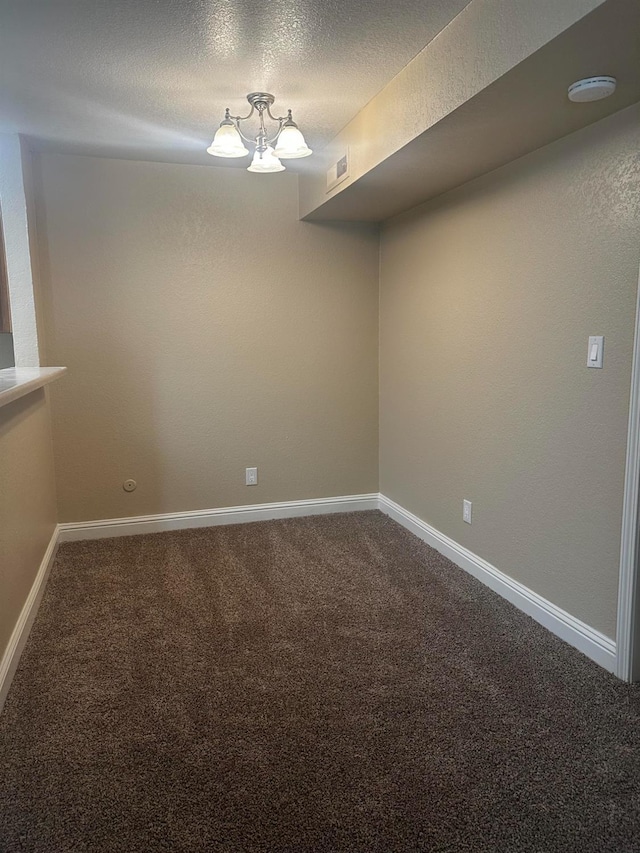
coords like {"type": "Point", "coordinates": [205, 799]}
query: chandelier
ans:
{"type": "Point", "coordinates": [289, 142]}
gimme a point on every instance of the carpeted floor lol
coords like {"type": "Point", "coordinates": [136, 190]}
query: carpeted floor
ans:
{"type": "Point", "coordinates": [317, 684]}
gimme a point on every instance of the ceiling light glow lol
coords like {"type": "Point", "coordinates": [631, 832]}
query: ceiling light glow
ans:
{"type": "Point", "coordinates": [289, 141]}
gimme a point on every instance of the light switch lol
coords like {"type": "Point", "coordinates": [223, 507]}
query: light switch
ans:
{"type": "Point", "coordinates": [595, 351]}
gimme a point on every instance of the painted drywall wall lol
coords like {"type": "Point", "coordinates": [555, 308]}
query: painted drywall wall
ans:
{"type": "Point", "coordinates": [27, 502]}
{"type": "Point", "coordinates": [32, 245]}
{"type": "Point", "coordinates": [488, 296]}
{"type": "Point", "coordinates": [205, 330]}
{"type": "Point", "coordinates": [16, 230]}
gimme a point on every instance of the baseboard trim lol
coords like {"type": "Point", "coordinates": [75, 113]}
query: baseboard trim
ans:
{"type": "Point", "coordinates": [107, 528]}
{"type": "Point", "coordinates": [578, 634]}
{"type": "Point", "coordinates": [20, 633]}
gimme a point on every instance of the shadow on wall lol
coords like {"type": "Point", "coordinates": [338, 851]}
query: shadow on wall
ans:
{"type": "Point", "coordinates": [6, 351]}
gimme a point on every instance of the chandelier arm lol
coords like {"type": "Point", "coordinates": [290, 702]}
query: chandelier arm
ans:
{"type": "Point", "coordinates": [244, 118]}
{"type": "Point", "coordinates": [277, 133]}
{"type": "Point", "coordinates": [275, 118]}
{"type": "Point", "coordinates": [246, 138]}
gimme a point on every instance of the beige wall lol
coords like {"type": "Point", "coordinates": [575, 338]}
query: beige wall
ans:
{"type": "Point", "coordinates": [488, 296]}
{"type": "Point", "coordinates": [205, 330]}
{"type": "Point", "coordinates": [27, 502]}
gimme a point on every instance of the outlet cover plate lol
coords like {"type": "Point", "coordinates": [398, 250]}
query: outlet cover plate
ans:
{"type": "Point", "coordinates": [466, 511]}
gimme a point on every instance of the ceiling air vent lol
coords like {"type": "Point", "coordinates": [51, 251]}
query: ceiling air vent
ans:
{"type": "Point", "coordinates": [338, 172]}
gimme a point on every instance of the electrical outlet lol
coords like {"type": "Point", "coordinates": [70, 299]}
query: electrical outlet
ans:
{"type": "Point", "coordinates": [466, 511]}
{"type": "Point", "coordinates": [251, 476]}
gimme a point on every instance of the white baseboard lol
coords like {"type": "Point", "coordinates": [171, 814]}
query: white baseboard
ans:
{"type": "Point", "coordinates": [73, 532]}
{"type": "Point", "coordinates": [590, 642]}
{"type": "Point", "coordinates": [20, 634]}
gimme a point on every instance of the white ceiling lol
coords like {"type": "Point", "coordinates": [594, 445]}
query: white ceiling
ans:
{"type": "Point", "coordinates": [151, 78]}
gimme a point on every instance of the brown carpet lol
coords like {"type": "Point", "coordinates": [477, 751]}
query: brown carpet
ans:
{"type": "Point", "coordinates": [317, 684]}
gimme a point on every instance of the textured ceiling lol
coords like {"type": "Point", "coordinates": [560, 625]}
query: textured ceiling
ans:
{"type": "Point", "coordinates": [151, 78]}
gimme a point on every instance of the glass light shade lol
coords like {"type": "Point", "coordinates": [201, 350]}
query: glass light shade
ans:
{"type": "Point", "coordinates": [267, 163]}
{"type": "Point", "coordinates": [227, 143]}
{"type": "Point", "coordinates": [291, 144]}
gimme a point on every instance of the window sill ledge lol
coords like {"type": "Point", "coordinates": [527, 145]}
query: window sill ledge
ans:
{"type": "Point", "coordinates": [15, 382]}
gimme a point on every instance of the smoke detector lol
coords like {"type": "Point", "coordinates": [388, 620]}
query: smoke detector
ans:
{"type": "Point", "coordinates": [592, 89]}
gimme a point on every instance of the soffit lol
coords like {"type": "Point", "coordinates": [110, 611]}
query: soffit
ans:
{"type": "Point", "coordinates": [524, 109]}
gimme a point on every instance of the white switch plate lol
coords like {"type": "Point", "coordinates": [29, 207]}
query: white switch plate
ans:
{"type": "Point", "coordinates": [595, 351]}
{"type": "Point", "coordinates": [466, 511]}
{"type": "Point", "coordinates": [251, 476]}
